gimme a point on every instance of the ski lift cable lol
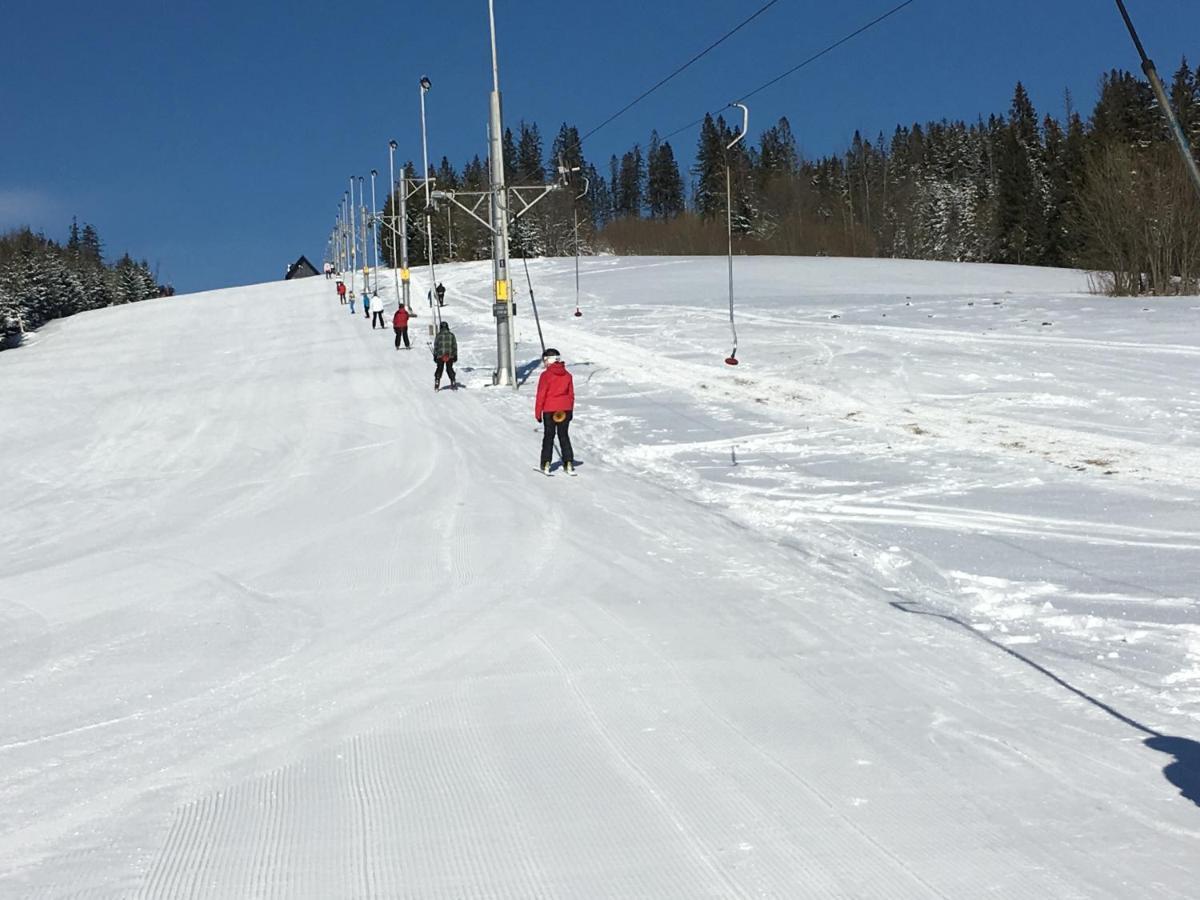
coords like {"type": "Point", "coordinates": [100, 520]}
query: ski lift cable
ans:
{"type": "Point", "coordinates": [578, 143]}
{"type": "Point", "coordinates": [796, 68]}
{"type": "Point", "coordinates": [694, 59]}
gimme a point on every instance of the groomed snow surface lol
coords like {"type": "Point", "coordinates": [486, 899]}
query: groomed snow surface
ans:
{"type": "Point", "coordinates": [904, 606]}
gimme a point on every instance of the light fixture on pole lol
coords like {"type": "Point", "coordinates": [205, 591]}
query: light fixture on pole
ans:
{"type": "Point", "coordinates": [392, 146]}
{"type": "Point", "coordinates": [374, 231]}
{"type": "Point", "coordinates": [426, 84]}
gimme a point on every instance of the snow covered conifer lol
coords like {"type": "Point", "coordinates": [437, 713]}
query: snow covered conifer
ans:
{"type": "Point", "coordinates": [664, 186]}
{"type": "Point", "coordinates": [709, 196]}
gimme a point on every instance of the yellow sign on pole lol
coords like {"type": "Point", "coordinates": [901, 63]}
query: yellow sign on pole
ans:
{"type": "Point", "coordinates": [404, 274]}
{"type": "Point", "coordinates": [502, 290]}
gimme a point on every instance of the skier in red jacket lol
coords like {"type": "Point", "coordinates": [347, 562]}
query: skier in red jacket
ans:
{"type": "Point", "coordinates": [400, 326]}
{"type": "Point", "coordinates": [554, 408]}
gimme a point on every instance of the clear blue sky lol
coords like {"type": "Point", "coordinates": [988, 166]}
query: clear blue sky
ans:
{"type": "Point", "coordinates": [215, 139]}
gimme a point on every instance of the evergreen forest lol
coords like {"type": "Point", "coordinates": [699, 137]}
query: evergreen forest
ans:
{"type": "Point", "coordinates": [1105, 192]}
{"type": "Point", "coordinates": [41, 279]}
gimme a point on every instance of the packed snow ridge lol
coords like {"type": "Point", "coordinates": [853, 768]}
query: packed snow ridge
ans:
{"type": "Point", "coordinates": [903, 606]}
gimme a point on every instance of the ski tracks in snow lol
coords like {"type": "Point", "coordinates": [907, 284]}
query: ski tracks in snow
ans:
{"type": "Point", "coordinates": [470, 681]}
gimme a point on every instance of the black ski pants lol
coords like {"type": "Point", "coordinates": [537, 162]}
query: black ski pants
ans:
{"type": "Point", "coordinates": [449, 367]}
{"type": "Point", "coordinates": [559, 429]}
{"type": "Point", "coordinates": [377, 319]}
{"type": "Point", "coordinates": [402, 335]}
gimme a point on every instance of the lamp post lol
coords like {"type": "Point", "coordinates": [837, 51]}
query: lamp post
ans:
{"type": "Point", "coordinates": [402, 298]}
{"type": "Point", "coordinates": [337, 239]}
{"type": "Point", "coordinates": [426, 84]}
{"type": "Point", "coordinates": [353, 239]}
{"type": "Point", "coordinates": [374, 231]}
{"type": "Point", "coordinates": [345, 234]}
{"type": "Point", "coordinates": [362, 224]}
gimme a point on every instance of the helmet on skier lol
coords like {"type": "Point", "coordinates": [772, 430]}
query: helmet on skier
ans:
{"type": "Point", "coordinates": [550, 355]}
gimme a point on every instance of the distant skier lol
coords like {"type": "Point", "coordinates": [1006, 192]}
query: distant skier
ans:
{"type": "Point", "coordinates": [377, 314]}
{"type": "Point", "coordinates": [445, 354]}
{"type": "Point", "coordinates": [366, 304]}
{"type": "Point", "coordinates": [554, 408]}
{"type": "Point", "coordinates": [328, 271]}
{"type": "Point", "coordinates": [440, 290]}
{"type": "Point", "coordinates": [341, 291]}
{"type": "Point", "coordinates": [400, 326]}
{"type": "Point", "coordinates": [351, 298]}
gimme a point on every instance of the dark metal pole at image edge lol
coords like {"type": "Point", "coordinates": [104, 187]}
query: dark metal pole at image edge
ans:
{"type": "Point", "coordinates": [1156, 83]}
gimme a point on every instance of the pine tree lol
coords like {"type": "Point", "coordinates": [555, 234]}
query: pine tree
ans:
{"type": "Point", "coordinates": [653, 190]}
{"type": "Point", "coordinates": [1023, 193]}
{"type": "Point", "coordinates": [709, 195]}
{"type": "Point", "coordinates": [41, 280]}
{"type": "Point", "coordinates": [664, 186]}
{"type": "Point", "coordinates": [10, 311]}
{"type": "Point", "coordinates": [150, 285]}
{"type": "Point", "coordinates": [94, 287]}
{"type": "Point", "coordinates": [777, 150]}
{"type": "Point", "coordinates": [530, 168]}
{"type": "Point", "coordinates": [1058, 178]}
{"type": "Point", "coordinates": [89, 245]}
{"type": "Point", "coordinates": [601, 197]}
{"type": "Point", "coordinates": [1126, 112]}
{"type": "Point", "coordinates": [128, 283]}
{"type": "Point", "coordinates": [614, 178]}
{"type": "Point", "coordinates": [35, 285]}
{"type": "Point", "coordinates": [630, 192]}
{"type": "Point", "coordinates": [1185, 99]}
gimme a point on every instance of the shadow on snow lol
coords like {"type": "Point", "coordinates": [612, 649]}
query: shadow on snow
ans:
{"type": "Point", "coordinates": [1183, 772]}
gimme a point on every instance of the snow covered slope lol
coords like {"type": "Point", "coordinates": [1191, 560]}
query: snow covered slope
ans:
{"type": "Point", "coordinates": [905, 605]}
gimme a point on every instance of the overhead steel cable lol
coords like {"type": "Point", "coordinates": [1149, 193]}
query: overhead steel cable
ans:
{"type": "Point", "coordinates": [624, 109]}
{"type": "Point", "coordinates": [799, 66]}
